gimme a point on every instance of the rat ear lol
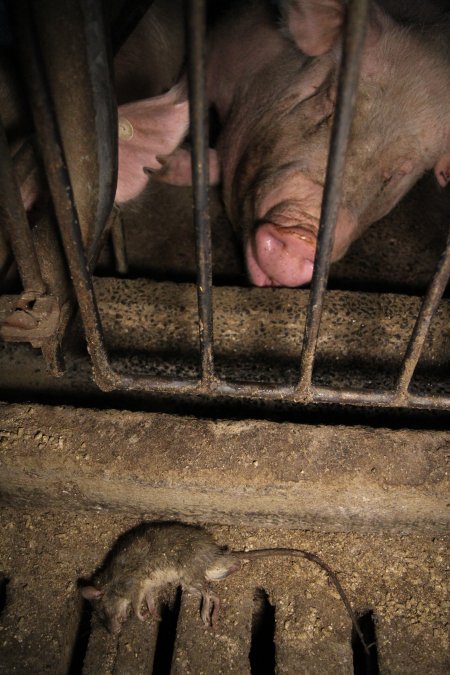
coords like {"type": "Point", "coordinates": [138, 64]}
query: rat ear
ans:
{"type": "Point", "coordinates": [91, 593]}
{"type": "Point", "coordinates": [442, 170]}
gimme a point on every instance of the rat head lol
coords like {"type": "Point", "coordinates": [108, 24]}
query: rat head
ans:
{"type": "Point", "coordinates": [222, 565]}
{"type": "Point", "coordinates": [110, 608]}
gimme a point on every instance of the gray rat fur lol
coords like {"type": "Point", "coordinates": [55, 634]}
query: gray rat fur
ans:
{"type": "Point", "coordinates": [149, 558]}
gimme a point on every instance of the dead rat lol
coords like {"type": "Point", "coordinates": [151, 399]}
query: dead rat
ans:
{"type": "Point", "coordinates": [152, 556]}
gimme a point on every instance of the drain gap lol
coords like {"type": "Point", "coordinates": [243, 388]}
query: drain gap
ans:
{"type": "Point", "coordinates": [365, 664]}
{"type": "Point", "coordinates": [81, 640]}
{"type": "Point", "coordinates": [3, 584]}
{"type": "Point", "coordinates": [167, 633]}
{"type": "Point", "coordinates": [262, 648]}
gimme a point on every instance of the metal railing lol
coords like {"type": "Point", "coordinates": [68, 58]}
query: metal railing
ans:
{"type": "Point", "coordinates": [208, 383]}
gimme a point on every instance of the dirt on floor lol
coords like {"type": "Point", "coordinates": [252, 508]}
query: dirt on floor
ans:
{"type": "Point", "coordinates": [401, 579]}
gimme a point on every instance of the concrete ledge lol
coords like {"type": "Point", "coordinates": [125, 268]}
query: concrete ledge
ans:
{"type": "Point", "coordinates": [152, 328]}
{"type": "Point", "coordinates": [250, 473]}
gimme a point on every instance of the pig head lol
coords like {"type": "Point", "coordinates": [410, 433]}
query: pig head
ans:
{"type": "Point", "coordinates": [274, 144]}
{"type": "Point", "coordinates": [275, 91]}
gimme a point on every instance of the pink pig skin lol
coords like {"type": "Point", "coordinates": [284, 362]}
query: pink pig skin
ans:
{"type": "Point", "coordinates": [274, 90]}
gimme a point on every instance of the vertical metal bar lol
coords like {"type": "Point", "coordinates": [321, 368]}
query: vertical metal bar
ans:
{"type": "Point", "coordinates": [422, 326]}
{"type": "Point", "coordinates": [52, 152]}
{"type": "Point", "coordinates": [353, 43]}
{"type": "Point", "coordinates": [105, 106]}
{"type": "Point", "coordinates": [16, 223]}
{"type": "Point", "coordinates": [119, 243]}
{"type": "Point", "coordinates": [196, 22]}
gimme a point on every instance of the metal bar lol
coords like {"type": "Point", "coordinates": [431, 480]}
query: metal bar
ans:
{"type": "Point", "coordinates": [353, 43]}
{"type": "Point", "coordinates": [198, 115]}
{"type": "Point", "coordinates": [16, 223]}
{"type": "Point", "coordinates": [284, 394]}
{"type": "Point", "coordinates": [106, 377]}
{"type": "Point", "coordinates": [49, 139]}
{"type": "Point", "coordinates": [105, 106]}
{"type": "Point", "coordinates": [427, 310]}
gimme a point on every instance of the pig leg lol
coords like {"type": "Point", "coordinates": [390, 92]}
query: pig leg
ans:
{"type": "Point", "coordinates": [176, 169]}
{"type": "Point", "coordinates": [314, 25]}
{"type": "Point", "coordinates": [148, 129]}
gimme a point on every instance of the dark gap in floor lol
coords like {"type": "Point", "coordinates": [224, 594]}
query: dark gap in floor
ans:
{"type": "Point", "coordinates": [167, 633]}
{"type": "Point", "coordinates": [262, 648]}
{"type": "Point", "coordinates": [4, 580]}
{"type": "Point", "coordinates": [363, 663]}
{"type": "Point", "coordinates": [81, 640]}
{"type": "Point", "coordinates": [324, 414]}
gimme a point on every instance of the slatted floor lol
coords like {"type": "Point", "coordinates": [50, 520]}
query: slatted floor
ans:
{"type": "Point", "coordinates": [277, 616]}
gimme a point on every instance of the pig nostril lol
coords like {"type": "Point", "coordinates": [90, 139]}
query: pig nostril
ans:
{"type": "Point", "coordinates": [281, 257]}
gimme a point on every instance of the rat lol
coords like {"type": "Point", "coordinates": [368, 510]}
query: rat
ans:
{"type": "Point", "coordinates": [151, 557]}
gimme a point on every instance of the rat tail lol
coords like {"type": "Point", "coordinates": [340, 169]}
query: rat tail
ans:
{"type": "Point", "coordinates": [300, 553]}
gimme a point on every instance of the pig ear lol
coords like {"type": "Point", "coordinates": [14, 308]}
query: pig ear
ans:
{"type": "Point", "coordinates": [177, 168]}
{"type": "Point", "coordinates": [315, 25]}
{"type": "Point", "coordinates": [442, 170]}
{"type": "Point", "coordinates": [91, 593]}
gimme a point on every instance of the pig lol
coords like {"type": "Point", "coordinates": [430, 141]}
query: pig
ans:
{"type": "Point", "coordinates": [274, 89]}
{"type": "Point", "coordinates": [150, 123]}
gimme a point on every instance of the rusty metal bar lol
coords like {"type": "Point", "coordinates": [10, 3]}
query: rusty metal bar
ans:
{"type": "Point", "coordinates": [286, 394]}
{"type": "Point", "coordinates": [16, 224]}
{"type": "Point", "coordinates": [427, 310]}
{"type": "Point", "coordinates": [353, 43]}
{"type": "Point", "coordinates": [105, 107]}
{"type": "Point", "coordinates": [106, 377]}
{"type": "Point", "coordinates": [198, 110]}
{"type": "Point", "coordinates": [50, 144]}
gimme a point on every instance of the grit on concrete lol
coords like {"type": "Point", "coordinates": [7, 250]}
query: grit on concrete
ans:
{"type": "Point", "coordinates": [401, 577]}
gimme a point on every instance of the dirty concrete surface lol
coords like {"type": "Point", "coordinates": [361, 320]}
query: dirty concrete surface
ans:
{"type": "Point", "coordinates": [246, 472]}
{"type": "Point", "coordinates": [49, 540]}
{"type": "Point", "coordinates": [402, 579]}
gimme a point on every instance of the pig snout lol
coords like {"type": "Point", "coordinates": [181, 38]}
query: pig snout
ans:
{"type": "Point", "coordinates": [284, 256]}
{"type": "Point", "coordinates": [281, 250]}
{"type": "Point", "coordinates": [280, 256]}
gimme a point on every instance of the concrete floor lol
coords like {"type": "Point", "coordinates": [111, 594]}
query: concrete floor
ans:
{"type": "Point", "coordinates": [402, 579]}
{"type": "Point", "coordinates": [370, 498]}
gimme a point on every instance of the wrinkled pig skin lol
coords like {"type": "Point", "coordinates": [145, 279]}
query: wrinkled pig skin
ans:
{"type": "Point", "coordinates": [274, 91]}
